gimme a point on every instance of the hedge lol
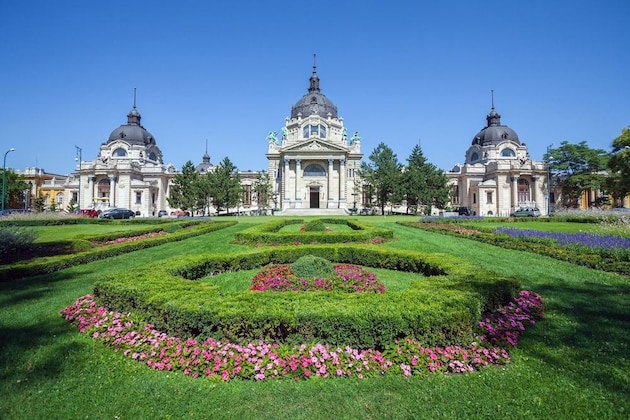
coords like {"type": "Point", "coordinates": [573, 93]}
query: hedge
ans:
{"type": "Point", "coordinates": [440, 309]}
{"type": "Point", "coordinates": [269, 233]}
{"type": "Point", "coordinates": [46, 265]}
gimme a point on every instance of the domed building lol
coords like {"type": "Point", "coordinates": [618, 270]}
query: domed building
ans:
{"type": "Point", "coordinates": [313, 162]}
{"type": "Point", "coordinates": [129, 172]}
{"type": "Point", "coordinates": [498, 176]}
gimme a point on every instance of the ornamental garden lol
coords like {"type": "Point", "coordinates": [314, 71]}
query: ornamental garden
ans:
{"type": "Point", "coordinates": [272, 299]}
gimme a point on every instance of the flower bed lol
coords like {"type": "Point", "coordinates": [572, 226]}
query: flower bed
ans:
{"type": "Point", "coordinates": [260, 361]}
{"type": "Point", "coordinates": [349, 278]}
{"type": "Point", "coordinates": [589, 240]}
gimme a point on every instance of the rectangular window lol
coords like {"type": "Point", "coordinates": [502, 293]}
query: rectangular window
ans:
{"type": "Point", "coordinates": [474, 198]}
{"type": "Point", "coordinates": [455, 194]}
{"type": "Point", "coordinates": [138, 197]}
{"type": "Point", "coordinates": [489, 197]}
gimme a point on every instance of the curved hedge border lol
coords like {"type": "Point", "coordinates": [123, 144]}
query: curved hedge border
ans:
{"type": "Point", "coordinates": [51, 264]}
{"type": "Point", "coordinates": [440, 310]}
{"type": "Point", "coordinates": [583, 256]}
{"type": "Point", "coordinates": [269, 233]}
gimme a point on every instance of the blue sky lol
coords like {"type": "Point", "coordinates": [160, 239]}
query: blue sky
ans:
{"type": "Point", "coordinates": [400, 72]}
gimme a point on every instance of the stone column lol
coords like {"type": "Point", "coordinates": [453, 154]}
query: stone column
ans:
{"type": "Point", "coordinates": [285, 184]}
{"type": "Point", "coordinates": [329, 185]}
{"type": "Point", "coordinates": [534, 196]}
{"type": "Point", "coordinates": [112, 191]}
{"type": "Point", "coordinates": [514, 191]}
{"type": "Point", "coordinates": [342, 183]}
{"type": "Point", "coordinates": [91, 180]}
{"type": "Point", "coordinates": [298, 177]}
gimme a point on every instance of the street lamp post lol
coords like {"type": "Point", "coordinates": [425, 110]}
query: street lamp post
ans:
{"type": "Point", "coordinates": [4, 175]}
{"type": "Point", "coordinates": [548, 182]}
{"type": "Point", "coordinates": [78, 157]}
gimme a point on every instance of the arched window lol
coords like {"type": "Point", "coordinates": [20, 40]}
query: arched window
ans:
{"type": "Point", "coordinates": [152, 156]}
{"type": "Point", "coordinates": [120, 152]}
{"type": "Point", "coordinates": [103, 188]}
{"type": "Point", "coordinates": [59, 198]}
{"type": "Point", "coordinates": [314, 170]}
{"type": "Point", "coordinates": [507, 152]}
{"type": "Point", "coordinates": [474, 157]}
{"type": "Point", "coordinates": [314, 131]}
{"type": "Point", "coordinates": [523, 190]}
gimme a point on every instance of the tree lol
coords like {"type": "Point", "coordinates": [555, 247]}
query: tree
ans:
{"type": "Point", "coordinates": [423, 184]}
{"type": "Point", "coordinates": [225, 187]}
{"type": "Point", "coordinates": [184, 188]}
{"type": "Point", "coordinates": [15, 185]}
{"type": "Point", "coordinates": [72, 206]}
{"type": "Point", "coordinates": [383, 174]}
{"type": "Point", "coordinates": [619, 165]}
{"type": "Point", "coordinates": [262, 189]}
{"type": "Point", "coordinates": [38, 204]}
{"type": "Point", "coordinates": [576, 168]}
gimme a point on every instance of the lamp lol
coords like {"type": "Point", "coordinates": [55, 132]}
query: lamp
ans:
{"type": "Point", "coordinates": [78, 158]}
{"type": "Point", "coordinates": [548, 182]}
{"type": "Point", "coordinates": [4, 175]}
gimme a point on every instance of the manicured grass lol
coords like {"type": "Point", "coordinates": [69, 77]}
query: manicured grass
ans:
{"type": "Point", "coordinates": [66, 232]}
{"type": "Point", "coordinates": [574, 364]}
{"type": "Point", "coordinates": [333, 228]}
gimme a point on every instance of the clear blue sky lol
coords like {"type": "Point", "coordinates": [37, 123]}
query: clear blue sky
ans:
{"type": "Point", "coordinates": [400, 72]}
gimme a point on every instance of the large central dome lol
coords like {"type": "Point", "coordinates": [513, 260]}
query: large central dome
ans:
{"type": "Point", "coordinates": [132, 132]}
{"type": "Point", "coordinates": [314, 102]}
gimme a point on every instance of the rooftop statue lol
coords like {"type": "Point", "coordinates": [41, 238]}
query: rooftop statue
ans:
{"type": "Point", "coordinates": [355, 138]}
{"type": "Point", "coordinates": [272, 137]}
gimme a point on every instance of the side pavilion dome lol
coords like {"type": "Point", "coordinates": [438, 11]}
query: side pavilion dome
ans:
{"type": "Point", "coordinates": [314, 102]}
{"type": "Point", "coordinates": [495, 133]}
{"type": "Point", "coordinates": [132, 132]}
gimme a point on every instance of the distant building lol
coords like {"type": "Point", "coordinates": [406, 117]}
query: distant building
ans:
{"type": "Point", "coordinates": [313, 162]}
{"type": "Point", "coordinates": [129, 172]}
{"type": "Point", "coordinates": [51, 187]}
{"type": "Point", "coordinates": [498, 176]}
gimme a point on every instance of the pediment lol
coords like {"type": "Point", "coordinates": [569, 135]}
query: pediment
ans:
{"type": "Point", "coordinates": [316, 146]}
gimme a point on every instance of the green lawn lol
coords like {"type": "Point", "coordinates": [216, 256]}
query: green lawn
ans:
{"type": "Point", "coordinates": [574, 364]}
{"type": "Point", "coordinates": [67, 232]}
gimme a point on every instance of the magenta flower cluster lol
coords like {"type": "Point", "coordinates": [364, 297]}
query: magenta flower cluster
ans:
{"type": "Point", "coordinates": [348, 278]}
{"type": "Point", "coordinates": [261, 361]}
{"type": "Point", "coordinates": [505, 325]}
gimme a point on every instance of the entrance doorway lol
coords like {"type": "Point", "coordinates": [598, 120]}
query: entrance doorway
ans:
{"type": "Point", "coordinates": [314, 197]}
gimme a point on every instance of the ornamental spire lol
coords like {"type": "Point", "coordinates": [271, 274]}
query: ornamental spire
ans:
{"type": "Point", "coordinates": [314, 80]}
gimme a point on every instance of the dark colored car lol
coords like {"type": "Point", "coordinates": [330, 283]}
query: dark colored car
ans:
{"type": "Point", "coordinates": [465, 211]}
{"type": "Point", "coordinates": [118, 214]}
{"type": "Point", "coordinates": [526, 212]}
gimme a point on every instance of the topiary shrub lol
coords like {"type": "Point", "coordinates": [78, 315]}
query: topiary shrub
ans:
{"type": "Point", "coordinates": [314, 226]}
{"type": "Point", "coordinates": [311, 267]}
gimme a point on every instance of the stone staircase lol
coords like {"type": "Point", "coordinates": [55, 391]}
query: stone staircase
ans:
{"type": "Point", "coordinates": [312, 212]}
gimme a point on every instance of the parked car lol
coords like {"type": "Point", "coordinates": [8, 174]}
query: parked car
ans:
{"type": "Point", "coordinates": [526, 212]}
{"type": "Point", "coordinates": [118, 214]}
{"type": "Point", "coordinates": [89, 212]}
{"type": "Point", "coordinates": [162, 213]}
{"type": "Point", "coordinates": [465, 211]}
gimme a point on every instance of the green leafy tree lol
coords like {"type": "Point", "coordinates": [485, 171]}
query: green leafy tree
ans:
{"type": "Point", "coordinates": [225, 187]}
{"type": "Point", "coordinates": [576, 168]}
{"type": "Point", "coordinates": [423, 184]}
{"type": "Point", "coordinates": [15, 185]}
{"type": "Point", "coordinates": [38, 204]}
{"type": "Point", "coordinates": [72, 206]}
{"type": "Point", "coordinates": [619, 165]}
{"type": "Point", "coordinates": [204, 192]}
{"type": "Point", "coordinates": [262, 189]}
{"type": "Point", "coordinates": [383, 174]}
{"type": "Point", "coordinates": [184, 190]}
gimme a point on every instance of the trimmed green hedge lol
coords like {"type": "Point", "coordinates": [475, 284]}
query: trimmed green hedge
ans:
{"type": "Point", "coordinates": [51, 264]}
{"type": "Point", "coordinates": [269, 233]}
{"type": "Point", "coordinates": [441, 309]}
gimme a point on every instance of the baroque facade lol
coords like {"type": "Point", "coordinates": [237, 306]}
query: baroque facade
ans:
{"type": "Point", "coordinates": [498, 175]}
{"type": "Point", "coordinates": [129, 172]}
{"type": "Point", "coordinates": [314, 164]}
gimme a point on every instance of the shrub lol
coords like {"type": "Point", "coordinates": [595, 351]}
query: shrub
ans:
{"type": "Point", "coordinates": [15, 240]}
{"type": "Point", "coordinates": [311, 267]}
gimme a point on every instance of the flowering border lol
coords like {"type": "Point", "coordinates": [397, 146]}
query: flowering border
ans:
{"type": "Point", "coordinates": [262, 361]}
